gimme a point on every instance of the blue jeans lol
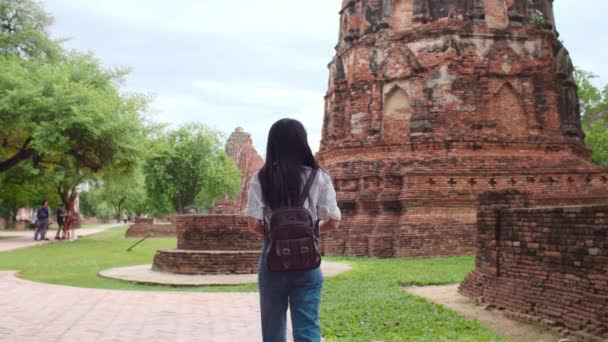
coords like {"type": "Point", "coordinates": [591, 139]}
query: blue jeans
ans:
{"type": "Point", "coordinates": [41, 227]}
{"type": "Point", "coordinates": [301, 291]}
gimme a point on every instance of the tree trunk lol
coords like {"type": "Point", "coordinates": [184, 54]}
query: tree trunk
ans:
{"type": "Point", "coordinates": [68, 198]}
{"type": "Point", "coordinates": [118, 209]}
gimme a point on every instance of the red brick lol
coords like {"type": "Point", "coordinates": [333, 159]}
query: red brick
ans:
{"type": "Point", "coordinates": [546, 280]}
{"type": "Point", "coordinates": [211, 244]}
{"type": "Point", "coordinates": [140, 230]}
{"type": "Point", "coordinates": [240, 148]}
{"type": "Point", "coordinates": [429, 105]}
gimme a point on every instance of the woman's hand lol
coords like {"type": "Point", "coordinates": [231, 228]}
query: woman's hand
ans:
{"type": "Point", "coordinates": [329, 226]}
{"type": "Point", "coordinates": [255, 225]}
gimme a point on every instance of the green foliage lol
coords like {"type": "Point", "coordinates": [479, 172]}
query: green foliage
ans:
{"type": "Point", "coordinates": [117, 194]}
{"type": "Point", "coordinates": [24, 30]}
{"type": "Point", "coordinates": [69, 118]}
{"type": "Point", "coordinates": [190, 167]}
{"type": "Point", "coordinates": [593, 101]}
{"type": "Point", "coordinates": [91, 206]}
{"type": "Point", "coordinates": [594, 109]}
{"type": "Point", "coordinates": [24, 186]}
{"type": "Point", "coordinates": [597, 140]}
{"type": "Point", "coordinates": [69, 110]}
{"type": "Point", "coordinates": [61, 111]}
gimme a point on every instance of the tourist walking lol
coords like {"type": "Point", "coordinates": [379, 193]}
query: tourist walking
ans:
{"type": "Point", "coordinates": [61, 215]}
{"type": "Point", "coordinates": [43, 221]}
{"type": "Point", "coordinates": [289, 273]}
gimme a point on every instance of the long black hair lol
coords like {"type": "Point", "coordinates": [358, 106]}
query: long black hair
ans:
{"type": "Point", "coordinates": [287, 153]}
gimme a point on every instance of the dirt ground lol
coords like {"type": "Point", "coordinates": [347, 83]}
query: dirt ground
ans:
{"type": "Point", "coordinates": [448, 296]}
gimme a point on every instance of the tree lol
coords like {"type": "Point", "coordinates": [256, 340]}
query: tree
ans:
{"type": "Point", "coordinates": [593, 101]}
{"type": "Point", "coordinates": [68, 117]}
{"type": "Point", "coordinates": [120, 194]}
{"type": "Point", "coordinates": [594, 109]}
{"type": "Point", "coordinates": [24, 30]}
{"type": "Point", "coordinates": [62, 115]}
{"type": "Point", "coordinates": [597, 140]}
{"type": "Point", "coordinates": [72, 109]}
{"type": "Point", "coordinates": [189, 168]}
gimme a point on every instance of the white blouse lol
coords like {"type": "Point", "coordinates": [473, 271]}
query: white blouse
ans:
{"type": "Point", "coordinates": [322, 195]}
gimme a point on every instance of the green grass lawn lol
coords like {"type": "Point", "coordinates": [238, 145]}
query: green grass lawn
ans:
{"type": "Point", "coordinates": [365, 304]}
{"type": "Point", "coordinates": [369, 303]}
{"type": "Point", "coordinates": [53, 227]}
{"type": "Point", "coordinates": [77, 263]}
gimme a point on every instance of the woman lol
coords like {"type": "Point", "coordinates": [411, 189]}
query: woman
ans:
{"type": "Point", "coordinates": [289, 162]}
{"type": "Point", "coordinates": [69, 225]}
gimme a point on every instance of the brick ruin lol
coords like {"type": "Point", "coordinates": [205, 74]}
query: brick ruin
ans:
{"type": "Point", "coordinates": [209, 245]}
{"type": "Point", "coordinates": [240, 148]}
{"type": "Point", "coordinates": [431, 102]}
{"type": "Point", "coordinates": [220, 243]}
{"type": "Point", "coordinates": [150, 227]}
{"type": "Point", "coordinates": [547, 265]}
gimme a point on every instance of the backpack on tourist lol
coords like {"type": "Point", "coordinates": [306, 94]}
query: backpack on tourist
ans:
{"type": "Point", "coordinates": [294, 236]}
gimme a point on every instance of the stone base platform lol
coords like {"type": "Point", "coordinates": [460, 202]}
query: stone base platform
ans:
{"type": "Point", "coordinates": [144, 274]}
{"type": "Point", "coordinates": [140, 230]}
{"type": "Point", "coordinates": [191, 262]}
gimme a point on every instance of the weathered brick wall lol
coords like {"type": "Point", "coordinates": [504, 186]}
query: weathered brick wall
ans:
{"type": "Point", "coordinates": [215, 233]}
{"type": "Point", "coordinates": [206, 262]}
{"type": "Point", "coordinates": [543, 264]}
{"type": "Point", "coordinates": [432, 102]}
{"type": "Point", "coordinates": [140, 230]}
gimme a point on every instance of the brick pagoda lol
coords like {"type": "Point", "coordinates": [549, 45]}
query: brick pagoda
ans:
{"type": "Point", "coordinates": [431, 102]}
{"type": "Point", "coordinates": [211, 245]}
{"type": "Point", "coordinates": [240, 148]}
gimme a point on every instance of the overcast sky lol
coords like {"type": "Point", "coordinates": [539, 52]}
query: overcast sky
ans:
{"type": "Point", "coordinates": [250, 62]}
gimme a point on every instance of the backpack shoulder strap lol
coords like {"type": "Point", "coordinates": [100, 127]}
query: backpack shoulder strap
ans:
{"type": "Point", "coordinates": [306, 190]}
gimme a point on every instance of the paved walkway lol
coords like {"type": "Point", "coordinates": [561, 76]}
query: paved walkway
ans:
{"type": "Point", "coordinates": [31, 311]}
{"type": "Point", "coordinates": [41, 312]}
{"type": "Point", "coordinates": [25, 239]}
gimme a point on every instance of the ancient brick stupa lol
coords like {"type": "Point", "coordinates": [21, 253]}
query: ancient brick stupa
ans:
{"type": "Point", "coordinates": [211, 244]}
{"type": "Point", "coordinates": [431, 102]}
{"type": "Point", "coordinates": [240, 148]}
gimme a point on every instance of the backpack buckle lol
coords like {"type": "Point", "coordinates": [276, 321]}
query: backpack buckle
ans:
{"type": "Point", "coordinates": [303, 249]}
{"type": "Point", "coordinates": [286, 251]}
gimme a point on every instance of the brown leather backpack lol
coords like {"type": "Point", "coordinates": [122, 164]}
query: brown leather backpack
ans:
{"type": "Point", "coordinates": [294, 236]}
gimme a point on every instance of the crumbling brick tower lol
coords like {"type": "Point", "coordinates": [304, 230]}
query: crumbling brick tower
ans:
{"type": "Point", "coordinates": [240, 148]}
{"type": "Point", "coordinates": [431, 102]}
